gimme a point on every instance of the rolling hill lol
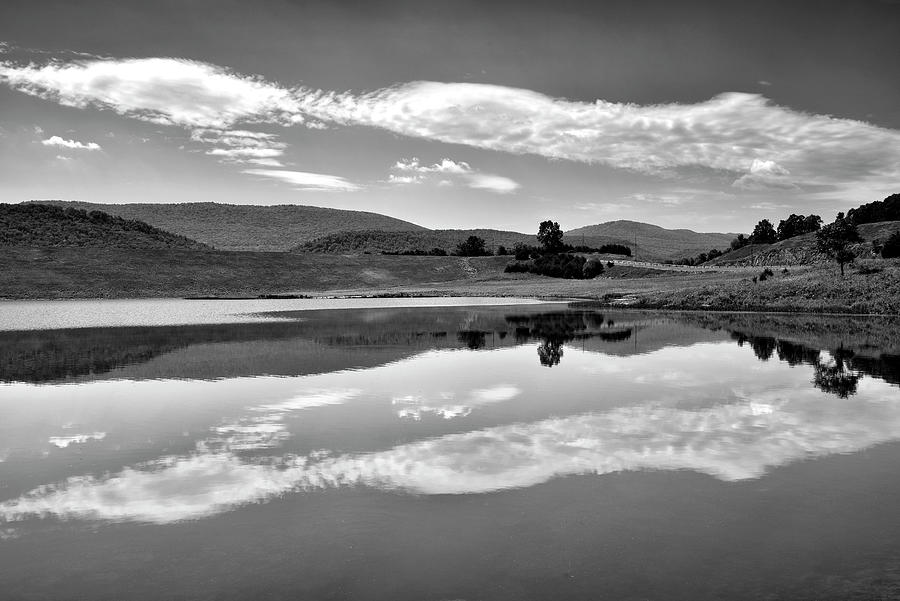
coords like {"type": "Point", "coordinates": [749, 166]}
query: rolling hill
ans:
{"type": "Point", "coordinates": [47, 226]}
{"type": "Point", "coordinates": [247, 227]}
{"type": "Point", "coordinates": [316, 229]}
{"type": "Point", "coordinates": [653, 242]}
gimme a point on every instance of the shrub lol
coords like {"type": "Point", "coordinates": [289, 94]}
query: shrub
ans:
{"type": "Point", "coordinates": [615, 249]}
{"type": "Point", "coordinates": [766, 274]}
{"type": "Point", "coordinates": [868, 269]}
{"type": "Point", "coordinates": [565, 266]}
{"type": "Point", "coordinates": [891, 248]}
{"type": "Point", "coordinates": [592, 269]}
{"type": "Point", "coordinates": [517, 268]}
{"type": "Point", "coordinates": [560, 266]}
{"type": "Point", "coordinates": [472, 247]}
{"type": "Point", "coordinates": [523, 252]}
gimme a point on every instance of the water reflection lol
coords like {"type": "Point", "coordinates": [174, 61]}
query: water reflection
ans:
{"type": "Point", "coordinates": [676, 418]}
{"type": "Point", "coordinates": [730, 442]}
{"type": "Point", "coordinates": [425, 401]}
{"type": "Point", "coordinates": [670, 450]}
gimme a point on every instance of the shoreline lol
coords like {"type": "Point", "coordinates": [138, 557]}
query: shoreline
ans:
{"type": "Point", "coordinates": [590, 302]}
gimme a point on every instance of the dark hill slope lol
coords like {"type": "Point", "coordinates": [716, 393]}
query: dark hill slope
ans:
{"type": "Point", "coordinates": [377, 241]}
{"type": "Point", "coordinates": [801, 250]}
{"type": "Point", "coordinates": [655, 242]}
{"type": "Point", "coordinates": [249, 227]}
{"type": "Point", "coordinates": [40, 225]}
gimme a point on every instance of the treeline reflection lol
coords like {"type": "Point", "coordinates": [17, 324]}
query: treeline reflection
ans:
{"type": "Point", "coordinates": [364, 339]}
{"type": "Point", "coordinates": [840, 350]}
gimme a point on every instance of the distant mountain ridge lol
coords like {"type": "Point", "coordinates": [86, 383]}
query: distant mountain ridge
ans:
{"type": "Point", "coordinates": [48, 226]}
{"type": "Point", "coordinates": [656, 242]}
{"type": "Point", "coordinates": [247, 227]}
{"type": "Point", "coordinates": [301, 228]}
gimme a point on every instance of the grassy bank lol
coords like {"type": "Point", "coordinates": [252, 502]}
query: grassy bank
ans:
{"type": "Point", "coordinates": [812, 289]}
{"type": "Point", "coordinates": [102, 273]}
{"type": "Point", "coordinates": [124, 273]}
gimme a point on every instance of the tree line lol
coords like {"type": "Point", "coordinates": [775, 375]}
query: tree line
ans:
{"type": "Point", "coordinates": [834, 240]}
{"type": "Point", "coordinates": [554, 258]}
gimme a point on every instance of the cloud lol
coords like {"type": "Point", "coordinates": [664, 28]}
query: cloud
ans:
{"type": "Point", "coordinates": [64, 441]}
{"type": "Point", "coordinates": [161, 90]}
{"type": "Point", "coordinates": [305, 180]}
{"type": "Point", "coordinates": [265, 428]}
{"type": "Point", "coordinates": [729, 132]}
{"type": "Point", "coordinates": [769, 206]}
{"type": "Point", "coordinates": [765, 175]}
{"type": "Point", "coordinates": [70, 144]}
{"type": "Point", "coordinates": [494, 183]}
{"type": "Point", "coordinates": [447, 406]}
{"type": "Point", "coordinates": [411, 171]}
{"type": "Point", "coordinates": [264, 162]}
{"type": "Point", "coordinates": [251, 152]}
{"type": "Point", "coordinates": [730, 441]}
{"type": "Point", "coordinates": [404, 179]}
{"type": "Point", "coordinates": [445, 166]}
{"type": "Point", "coordinates": [667, 199]}
{"type": "Point", "coordinates": [241, 146]}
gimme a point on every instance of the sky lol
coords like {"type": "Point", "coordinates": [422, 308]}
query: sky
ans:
{"type": "Point", "coordinates": [701, 115]}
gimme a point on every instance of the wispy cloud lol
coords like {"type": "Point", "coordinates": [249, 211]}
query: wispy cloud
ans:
{"type": "Point", "coordinates": [161, 90]}
{"type": "Point", "coordinates": [70, 144]}
{"type": "Point", "coordinates": [241, 146]}
{"type": "Point", "coordinates": [305, 180]}
{"type": "Point", "coordinates": [730, 132]}
{"type": "Point", "coordinates": [448, 171]}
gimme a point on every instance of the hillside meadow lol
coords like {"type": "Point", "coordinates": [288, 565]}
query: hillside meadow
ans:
{"type": "Point", "coordinates": [870, 286]}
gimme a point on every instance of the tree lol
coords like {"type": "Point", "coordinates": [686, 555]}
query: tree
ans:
{"type": "Point", "coordinates": [501, 250]}
{"type": "Point", "coordinates": [891, 248]}
{"type": "Point", "coordinates": [523, 251]}
{"type": "Point", "coordinates": [795, 225]}
{"type": "Point", "coordinates": [550, 236]}
{"type": "Point", "coordinates": [763, 233]}
{"type": "Point", "coordinates": [472, 247]}
{"type": "Point", "coordinates": [835, 239]}
{"type": "Point", "coordinates": [739, 242]}
{"type": "Point", "coordinates": [880, 210]}
{"type": "Point", "coordinates": [836, 378]}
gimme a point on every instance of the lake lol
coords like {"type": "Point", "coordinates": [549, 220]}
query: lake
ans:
{"type": "Point", "coordinates": [445, 449]}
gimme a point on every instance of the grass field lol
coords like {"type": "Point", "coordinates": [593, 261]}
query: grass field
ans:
{"type": "Point", "coordinates": [103, 273]}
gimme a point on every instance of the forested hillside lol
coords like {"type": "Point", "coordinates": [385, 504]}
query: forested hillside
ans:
{"type": "Point", "coordinates": [53, 226]}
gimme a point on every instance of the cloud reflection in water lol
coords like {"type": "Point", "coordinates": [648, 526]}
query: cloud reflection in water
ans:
{"type": "Point", "coordinates": [733, 441]}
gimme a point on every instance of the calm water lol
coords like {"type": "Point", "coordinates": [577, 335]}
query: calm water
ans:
{"type": "Point", "coordinates": [483, 452]}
